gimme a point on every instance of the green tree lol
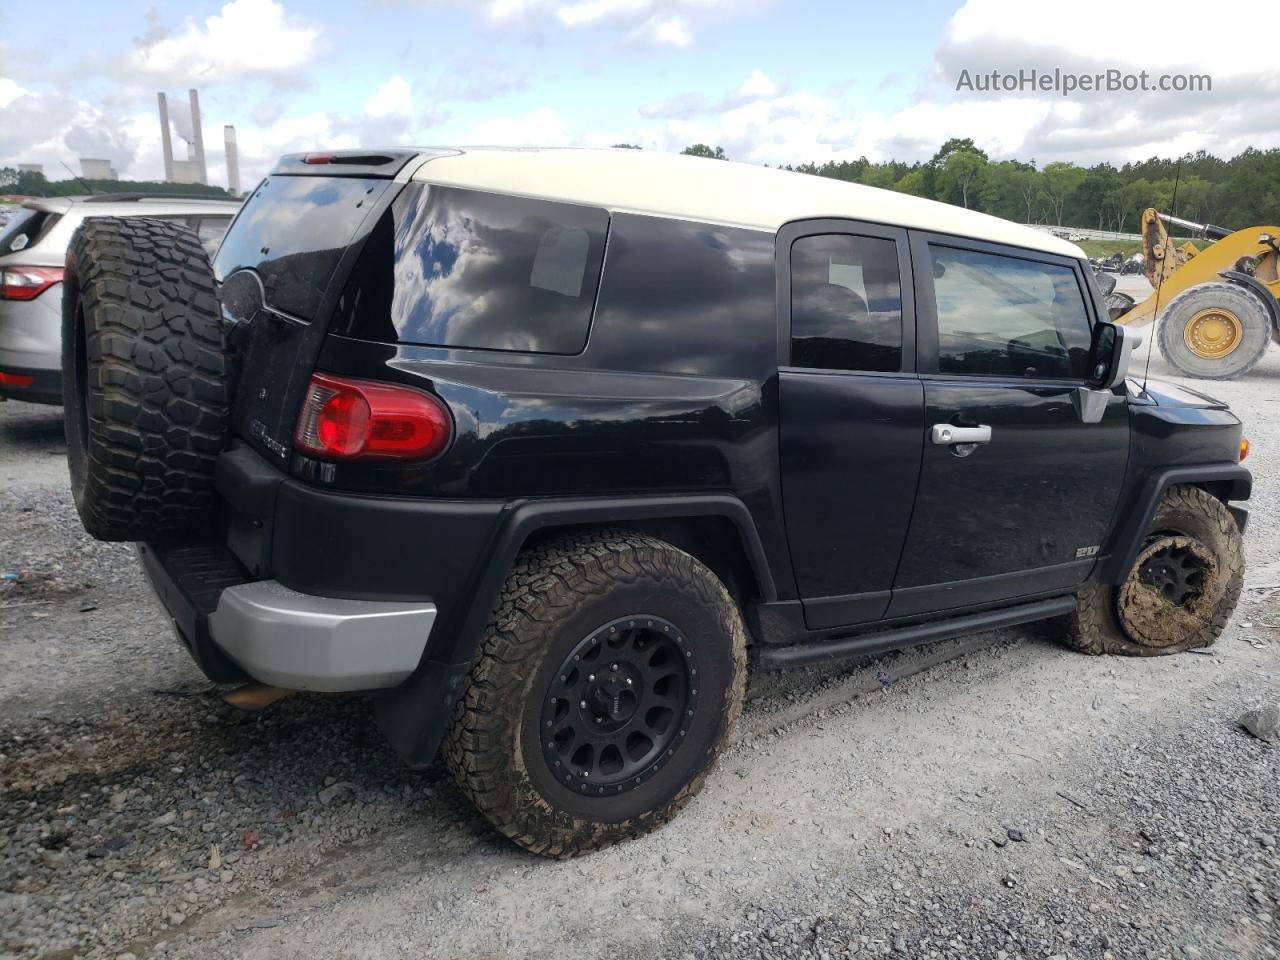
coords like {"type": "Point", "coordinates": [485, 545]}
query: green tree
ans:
{"type": "Point", "coordinates": [963, 174]}
{"type": "Point", "coordinates": [626, 146]}
{"type": "Point", "coordinates": [702, 150]}
{"type": "Point", "coordinates": [1058, 182]}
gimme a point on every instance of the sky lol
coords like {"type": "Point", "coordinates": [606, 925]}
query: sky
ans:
{"type": "Point", "coordinates": [769, 81]}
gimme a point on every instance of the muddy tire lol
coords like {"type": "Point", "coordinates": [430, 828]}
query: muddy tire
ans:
{"type": "Point", "coordinates": [1181, 591]}
{"type": "Point", "coordinates": [1213, 317]}
{"type": "Point", "coordinates": [144, 378]}
{"type": "Point", "coordinates": [606, 684]}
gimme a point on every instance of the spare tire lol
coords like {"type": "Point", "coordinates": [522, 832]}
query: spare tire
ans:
{"type": "Point", "coordinates": [145, 378]}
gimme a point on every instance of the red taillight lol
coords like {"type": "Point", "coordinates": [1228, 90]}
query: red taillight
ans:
{"type": "Point", "coordinates": [16, 379]}
{"type": "Point", "coordinates": [27, 283]}
{"type": "Point", "coordinates": [344, 419]}
{"type": "Point", "coordinates": [318, 158]}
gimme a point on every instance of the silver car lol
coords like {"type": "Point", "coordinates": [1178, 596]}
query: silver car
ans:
{"type": "Point", "coordinates": [33, 246]}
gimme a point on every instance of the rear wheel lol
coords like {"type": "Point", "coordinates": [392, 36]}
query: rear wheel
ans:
{"type": "Point", "coordinates": [1215, 331]}
{"type": "Point", "coordinates": [1181, 591]}
{"type": "Point", "coordinates": [145, 385]}
{"type": "Point", "coordinates": [606, 685]}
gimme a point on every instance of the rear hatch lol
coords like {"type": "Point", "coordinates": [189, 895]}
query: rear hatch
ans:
{"type": "Point", "coordinates": [280, 269]}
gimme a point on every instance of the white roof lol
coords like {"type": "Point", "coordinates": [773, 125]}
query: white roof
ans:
{"type": "Point", "coordinates": [716, 191]}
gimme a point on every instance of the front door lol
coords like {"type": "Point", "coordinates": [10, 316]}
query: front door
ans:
{"type": "Point", "coordinates": [852, 409]}
{"type": "Point", "coordinates": [1016, 492]}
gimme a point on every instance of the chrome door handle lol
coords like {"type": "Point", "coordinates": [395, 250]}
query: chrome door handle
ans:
{"type": "Point", "coordinates": [947, 434]}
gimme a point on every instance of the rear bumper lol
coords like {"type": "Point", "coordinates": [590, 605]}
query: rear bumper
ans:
{"type": "Point", "coordinates": [237, 629]}
{"type": "Point", "coordinates": [302, 642]}
{"type": "Point", "coordinates": [33, 386]}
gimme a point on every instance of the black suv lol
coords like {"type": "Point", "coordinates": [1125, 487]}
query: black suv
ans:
{"type": "Point", "coordinates": [542, 447]}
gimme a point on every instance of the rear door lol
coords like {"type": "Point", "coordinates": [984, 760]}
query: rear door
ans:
{"type": "Point", "coordinates": [1003, 346]}
{"type": "Point", "coordinates": [279, 269]}
{"type": "Point", "coordinates": [852, 413]}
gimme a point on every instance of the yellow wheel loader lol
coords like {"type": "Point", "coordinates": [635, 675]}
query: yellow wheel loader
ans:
{"type": "Point", "coordinates": [1219, 307]}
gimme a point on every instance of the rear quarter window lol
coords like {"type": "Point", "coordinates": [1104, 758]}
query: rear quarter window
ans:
{"type": "Point", "coordinates": [464, 268]}
{"type": "Point", "coordinates": [25, 229]}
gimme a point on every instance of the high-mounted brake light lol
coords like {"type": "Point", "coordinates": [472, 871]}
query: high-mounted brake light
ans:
{"type": "Point", "coordinates": [27, 283]}
{"type": "Point", "coordinates": [318, 158]}
{"type": "Point", "coordinates": [347, 419]}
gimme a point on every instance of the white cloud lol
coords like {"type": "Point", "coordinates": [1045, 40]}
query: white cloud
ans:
{"type": "Point", "coordinates": [542, 127]}
{"type": "Point", "coordinates": [10, 91]}
{"type": "Point", "coordinates": [245, 38]}
{"type": "Point", "coordinates": [655, 22]}
{"type": "Point", "coordinates": [757, 85]}
{"type": "Point", "coordinates": [394, 98]}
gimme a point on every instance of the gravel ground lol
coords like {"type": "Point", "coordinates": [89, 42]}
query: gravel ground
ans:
{"type": "Point", "coordinates": [996, 796]}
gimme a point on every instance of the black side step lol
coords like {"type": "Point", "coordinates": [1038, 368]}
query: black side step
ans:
{"type": "Point", "coordinates": [902, 637]}
{"type": "Point", "coordinates": [188, 579]}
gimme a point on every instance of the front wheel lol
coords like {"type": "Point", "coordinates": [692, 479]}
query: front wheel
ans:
{"type": "Point", "coordinates": [1181, 591]}
{"type": "Point", "coordinates": [607, 682]}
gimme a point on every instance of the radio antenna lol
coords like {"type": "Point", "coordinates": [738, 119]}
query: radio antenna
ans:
{"type": "Point", "coordinates": [1155, 316]}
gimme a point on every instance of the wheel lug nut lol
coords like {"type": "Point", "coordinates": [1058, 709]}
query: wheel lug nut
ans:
{"type": "Point", "coordinates": [582, 704]}
{"type": "Point", "coordinates": [613, 666]}
{"type": "Point", "coordinates": [628, 681]}
{"type": "Point", "coordinates": [591, 678]}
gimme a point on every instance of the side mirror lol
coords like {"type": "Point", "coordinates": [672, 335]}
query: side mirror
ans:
{"type": "Point", "coordinates": [1109, 355]}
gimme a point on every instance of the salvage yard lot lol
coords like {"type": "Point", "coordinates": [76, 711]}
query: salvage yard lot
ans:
{"type": "Point", "coordinates": [996, 796]}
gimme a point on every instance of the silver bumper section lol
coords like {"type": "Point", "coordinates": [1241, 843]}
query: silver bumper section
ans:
{"type": "Point", "coordinates": [294, 640]}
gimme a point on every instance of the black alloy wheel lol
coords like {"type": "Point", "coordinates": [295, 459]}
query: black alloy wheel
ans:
{"type": "Point", "coordinates": [617, 707]}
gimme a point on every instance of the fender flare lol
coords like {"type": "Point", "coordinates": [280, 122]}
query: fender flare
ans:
{"type": "Point", "coordinates": [1128, 538]}
{"type": "Point", "coordinates": [415, 715]}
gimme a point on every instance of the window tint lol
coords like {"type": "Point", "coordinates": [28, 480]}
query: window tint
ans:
{"type": "Point", "coordinates": [846, 303]}
{"type": "Point", "coordinates": [463, 268]}
{"type": "Point", "coordinates": [1001, 316]}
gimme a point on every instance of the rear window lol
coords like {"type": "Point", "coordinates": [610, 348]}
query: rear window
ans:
{"type": "Point", "coordinates": [463, 268]}
{"type": "Point", "coordinates": [25, 229]}
{"type": "Point", "coordinates": [293, 232]}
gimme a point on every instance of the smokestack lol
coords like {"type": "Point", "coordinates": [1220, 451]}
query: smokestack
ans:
{"type": "Point", "coordinates": [164, 137]}
{"type": "Point", "coordinates": [197, 136]}
{"type": "Point", "coordinates": [233, 160]}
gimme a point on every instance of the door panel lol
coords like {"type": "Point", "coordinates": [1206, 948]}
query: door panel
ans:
{"type": "Point", "coordinates": [1026, 511]}
{"type": "Point", "coordinates": [852, 413]}
{"type": "Point", "coordinates": [850, 459]}
{"type": "Point", "coordinates": [1016, 515]}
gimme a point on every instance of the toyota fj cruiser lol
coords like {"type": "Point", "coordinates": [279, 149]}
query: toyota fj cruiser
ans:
{"type": "Point", "coordinates": [538, 446]}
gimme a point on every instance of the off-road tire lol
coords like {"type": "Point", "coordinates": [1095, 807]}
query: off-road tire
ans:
{"type": "Point", "coordinates": [1255, 322]}
{"type": "Point", "coordinates": [1095, 627]}
{"type": "Point", "coordinates": [557, 593]}
{"type": "Point", "coordinates": [145, 378]}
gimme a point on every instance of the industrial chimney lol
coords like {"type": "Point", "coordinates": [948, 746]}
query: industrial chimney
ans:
{"type": "Point", "coordinates": [233, 160]}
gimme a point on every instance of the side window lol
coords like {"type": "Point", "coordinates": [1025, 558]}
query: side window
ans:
{"type": "Point", "coordinates": [846, 303]}
{"type": "Point", "coordinates": [1007, 317]}
{"type": "Point", "coordinates": [464, 268]}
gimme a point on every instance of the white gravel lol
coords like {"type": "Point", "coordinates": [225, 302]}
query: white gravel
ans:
{"type": "Point", "coordinates": [861, 810]}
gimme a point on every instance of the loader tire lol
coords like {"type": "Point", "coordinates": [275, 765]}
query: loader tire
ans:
{"type": "Point", "coordinates": [1215, 331]}
{"type": "Point", "coordinates": [1181, 591]}
{"type": "Point", "coordinates": [145, 378]}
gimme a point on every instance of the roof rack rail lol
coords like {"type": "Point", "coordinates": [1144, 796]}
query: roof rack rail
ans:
{"type": "Point", "coordinates": [126, 197]}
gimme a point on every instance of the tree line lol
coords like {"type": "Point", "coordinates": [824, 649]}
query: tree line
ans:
{"type": "Point", "coordinates": [29, 183]}
{"type": "Point", "coordinates": [1241, 192]}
